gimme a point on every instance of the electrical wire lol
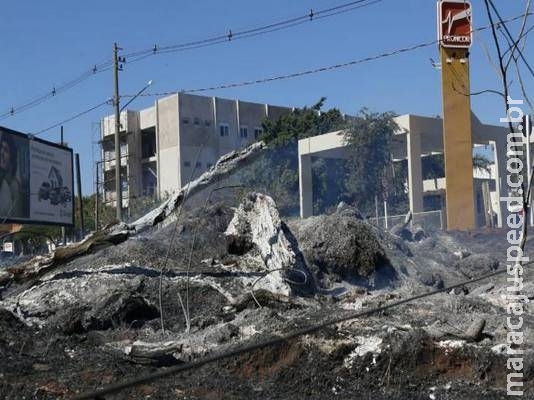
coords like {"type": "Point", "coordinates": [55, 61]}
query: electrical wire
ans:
{"type": "Point", "coordinates": [297, 74]}
{"type": "Point", "coordinates": [317, 70]}
{"type": "Point", "coordinates": [140, 55]}
{"type": "Point", "coordinates": [112, 388]}
{"type": "Point", "coordinates": [71, 118]}
{"type": "Point", "coordinates": [55, 91]}
{"type": "Point", "coordinates": [73, 83]}
{"type": "Point", "coordinates": [272, 27]}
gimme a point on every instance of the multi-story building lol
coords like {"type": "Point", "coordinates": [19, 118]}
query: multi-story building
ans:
{"type": "Point", "coordinates": [165, 146]}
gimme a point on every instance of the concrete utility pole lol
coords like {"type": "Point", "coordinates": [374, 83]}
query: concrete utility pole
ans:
{"type": "Point", "coordinates": [116, 104]}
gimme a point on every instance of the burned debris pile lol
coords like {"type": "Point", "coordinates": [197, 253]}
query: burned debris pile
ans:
{"type": "Point", "coordinates": [222, 277]}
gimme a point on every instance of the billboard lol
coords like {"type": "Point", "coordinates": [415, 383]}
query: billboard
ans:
{"type": "Point", "coordinates": [455, 23]}
{"type": "Point", "coordinates": [36, 180]}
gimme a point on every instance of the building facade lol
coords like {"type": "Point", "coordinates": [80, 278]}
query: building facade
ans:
{"type": "Point", "coordinates": [415, 138]}
{"type": "Point", "coordinates": [165, 146]}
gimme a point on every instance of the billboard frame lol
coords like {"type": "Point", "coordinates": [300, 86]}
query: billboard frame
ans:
{"type": "Point", "coordinates": [29, 221]}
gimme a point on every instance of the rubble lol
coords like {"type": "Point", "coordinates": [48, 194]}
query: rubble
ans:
{"type": "Point", "coordinates": [256, 223]}
{"type": "Point", "coordinates": [95, 318]}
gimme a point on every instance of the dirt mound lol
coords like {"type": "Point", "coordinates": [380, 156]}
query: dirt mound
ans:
{"type": "Point", "coordinates": [340, 243]}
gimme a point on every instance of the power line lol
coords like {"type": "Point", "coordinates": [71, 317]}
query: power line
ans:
{"type": "Point", "coordinates": [55, 90]}
{"type": "Point", "coordinates": [259, 30]}
{"type": "Point", "coordinates": [271, 342]}
{"type": "Point", "coordinates": [288, 76]}
{"type": "Point", "coordinates": [230, 36]}
{"type": "Point", "coordinates": [297, 74]}
{"type": "Point", "coordinates": [105, 66]}
{"type": "Point", "coordinates": [320, 69]}
{"type": "Point", "coordinates": [72, 118]}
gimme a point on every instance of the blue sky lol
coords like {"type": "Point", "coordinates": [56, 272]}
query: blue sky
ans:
{"type": "Point", "coordinates": [46, 44]}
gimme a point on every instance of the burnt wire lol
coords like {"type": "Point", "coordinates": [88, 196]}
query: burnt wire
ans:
{"type": "Point", "coordinates": [273, 341]}
{"type": "Point", "coordinates": [185, 308]}
{"type": "Point", "coordinates": [304, 282]}
{"type": "Point", "coordinates": [189, 263]}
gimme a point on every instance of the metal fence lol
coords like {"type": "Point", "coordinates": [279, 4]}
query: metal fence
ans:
{"type": "Point", "coordinates": [428, 220]}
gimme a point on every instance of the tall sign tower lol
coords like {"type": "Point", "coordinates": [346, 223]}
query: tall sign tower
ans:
{"type": "Point", "coordinates": [455, 34]}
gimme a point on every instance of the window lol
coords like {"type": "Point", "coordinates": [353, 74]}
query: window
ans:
{"type": "Point", "coordinates": [223, 130]}
{"type": "Point", "coordinates": [209, 165]}
{"type": "Point", "coordinates": [196, 121]}
{"type": "Point", "coordinates": [150, 179]}
{"type": "Point", "coordinates": [198, 164]}
{"type": "Point", "coordinates": [207, 122]}
{"type": "Point", "coordinates": [257, 132]}
{"type": "Point", "coordinates": [185, 120]}
{"type": "Point", "coordinates": [187, 164]}
{"type": "Point", "coordinates": [243, 132]}
{"type": "Point", "coordinates": [148, 142]}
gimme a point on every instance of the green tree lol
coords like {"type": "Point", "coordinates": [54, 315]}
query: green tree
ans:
{"type": "Point", "coordinates": [35, 239]}
{"type": "Point", "coordinates": [276, 172]}
{"type": "Point", "coordinates": [373, 174]}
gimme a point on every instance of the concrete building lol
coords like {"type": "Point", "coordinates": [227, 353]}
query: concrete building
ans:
{"type": "Point", "coordinates": [418, 137]}
{"type": "Point", "coordinates": [167, 145]}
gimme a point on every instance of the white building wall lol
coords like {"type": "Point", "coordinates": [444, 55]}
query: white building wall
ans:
{"type": "Point", "coordinates": [188, 136]}
{"type": "Point", "coordinates": [199, 145]}
{"type": "Point", "coordinates": [169, 170]}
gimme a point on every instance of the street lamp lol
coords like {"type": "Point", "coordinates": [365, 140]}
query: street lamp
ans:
{"type": "Point", "coordinates": [118, 110]}
{"type": "Point", "coordinates": [136, 95]}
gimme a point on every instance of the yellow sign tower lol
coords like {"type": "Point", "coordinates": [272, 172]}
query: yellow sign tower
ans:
{"type": "Point", "coordinates": [455, 35]}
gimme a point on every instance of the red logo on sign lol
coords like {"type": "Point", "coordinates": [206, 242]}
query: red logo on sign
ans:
{"type": "Point", "coordinates": [455, 23]}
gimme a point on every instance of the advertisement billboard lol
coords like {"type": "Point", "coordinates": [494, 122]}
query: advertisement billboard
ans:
{"type": "Point", "coordinates": [36, 180]}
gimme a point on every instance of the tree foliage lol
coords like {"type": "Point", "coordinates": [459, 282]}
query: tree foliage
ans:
{"type": "Point", "coordinates": [276, 172]}
{"type": "Point", "coordinates": [369, 172]}
{"type": "Point", "coordinates": [302, 123]}
{"type": "Point", "coordinates": [373, 174]}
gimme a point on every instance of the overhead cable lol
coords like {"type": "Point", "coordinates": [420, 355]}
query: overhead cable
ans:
{"type": "Point", "coordinates": [72, 118]}
{"type": "Point", "coordinates": [230, 36]}
{"type": "Point", "coordinates": [236, 35]}
{"type": "Point", "coordinates": [315, 70]}
{"type": "Point", "coordinates": [113, 388]}
{"type": "Point", "coordinates": [54, 91]}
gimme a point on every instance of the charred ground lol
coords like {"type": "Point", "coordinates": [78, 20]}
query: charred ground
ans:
{"type": "Point", "coordinates": [117, 313]}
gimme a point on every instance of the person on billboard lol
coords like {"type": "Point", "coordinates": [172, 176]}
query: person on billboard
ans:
{"type": "Point", "coordinates": [11, 204]}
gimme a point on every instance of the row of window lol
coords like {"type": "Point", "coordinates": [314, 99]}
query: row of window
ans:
{"type": "Point", "coordinates": [243, 131]}
{"type": "Point", "coordinates": [196, 121]}
{"type": "Point", "coordinates": [223, 128]}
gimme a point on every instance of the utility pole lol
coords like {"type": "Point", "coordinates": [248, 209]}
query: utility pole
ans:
{"type": "Point", "coordinates": [117, 60]}
{"type": "Point", "coordinates": [79, 185]}
{"type": "Point", "coordinates": [116, 104]}
{"type": "Point", "coordinates": [97, 215]}
{"type": "Point", "coordinates": [63, 231]}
